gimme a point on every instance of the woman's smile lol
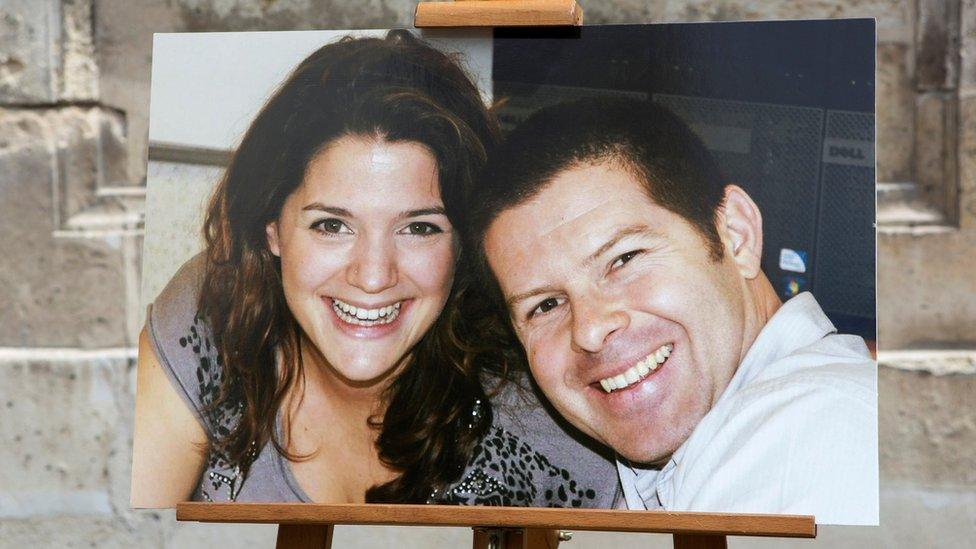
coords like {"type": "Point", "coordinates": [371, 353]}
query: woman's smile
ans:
{"type": "Point", "coordinates": [366, 321]}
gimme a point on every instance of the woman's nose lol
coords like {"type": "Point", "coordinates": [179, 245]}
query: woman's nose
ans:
{"type": "Point", "coordinates": [373, 268]}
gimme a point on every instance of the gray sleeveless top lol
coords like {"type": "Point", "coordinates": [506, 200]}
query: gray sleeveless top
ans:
{"type": "Point", "coordinates": [528, 458]}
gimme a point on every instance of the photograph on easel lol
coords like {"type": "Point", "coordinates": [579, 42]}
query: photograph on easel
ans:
{"type": "Point", "coordinates": [620, 267]}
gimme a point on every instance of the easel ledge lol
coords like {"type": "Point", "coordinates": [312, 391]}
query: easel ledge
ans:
{"type": "Point", "coordinates": [710, 527]}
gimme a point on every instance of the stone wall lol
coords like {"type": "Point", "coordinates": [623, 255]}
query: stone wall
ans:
{"type": "Point", "coordinates": [74, 86]}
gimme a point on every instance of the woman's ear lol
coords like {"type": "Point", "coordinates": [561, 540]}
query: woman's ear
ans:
{"type": "Point", "coordinates": [271, 230]}
{"type": "Point", "coordinates": [742, 226]}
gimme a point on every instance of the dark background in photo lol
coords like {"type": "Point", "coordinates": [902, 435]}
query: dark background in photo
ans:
{"type": "Point", "coordinates": [786, 107]}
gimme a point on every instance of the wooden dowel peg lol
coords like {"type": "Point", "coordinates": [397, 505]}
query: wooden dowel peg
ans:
{"type": "Point", "coordinates": [515, 538]}
{"type": "Point", "coordinates": [304, 536]}
{"type": "Point", "coordinates": [498, 13]}
{"type": "Point", "coordinates": [696, 541]}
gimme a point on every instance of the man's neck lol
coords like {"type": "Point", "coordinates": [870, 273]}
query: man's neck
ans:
{"type": "Point", "coordinates": [762, 305]}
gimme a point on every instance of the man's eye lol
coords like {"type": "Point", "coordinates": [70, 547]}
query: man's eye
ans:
{"type": "Point", "coordinates": [544, 307]}
{"type": "Point", "coordinates": [621, 260]}
{"type": "Point", "coordinates": [421, 228]}
{"type": "Point", "coordinates": [331, 226]}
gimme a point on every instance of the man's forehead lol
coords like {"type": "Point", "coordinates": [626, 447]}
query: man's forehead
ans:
{"type": "Point", "coordinates": [541, 228]}
{"type": "Point", "coordinates": [579, 194]}
{"type": "Point", "coordinates": [578, 221]}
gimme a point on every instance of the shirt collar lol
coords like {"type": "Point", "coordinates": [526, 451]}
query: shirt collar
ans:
{"type": "Point", "coordinates": [640, 486]}
{"type": "Point", "coordinates": [798, 323]}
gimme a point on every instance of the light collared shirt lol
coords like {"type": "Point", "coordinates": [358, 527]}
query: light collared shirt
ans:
{"type": "Point", "coordinates": [795, 431]}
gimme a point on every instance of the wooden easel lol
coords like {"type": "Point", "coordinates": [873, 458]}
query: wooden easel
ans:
{"type": "Point", "coordinates": [310, 526]}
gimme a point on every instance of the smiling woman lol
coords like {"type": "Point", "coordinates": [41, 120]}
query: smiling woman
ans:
{"type": "Point", "coordinates": [325, 346]}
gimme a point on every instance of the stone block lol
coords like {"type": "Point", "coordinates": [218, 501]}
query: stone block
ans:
{"type": "Point", "coordinates": [69, 421]}
{"type": "Point", "coordinates": [65, 461]}
{"type": "Point", "coordinates": [47, 52]}
{"type": "Point", "coordinates": [924, 279]}
{"type": "Point", "coordinates": [935, 150]}
{"type": "Point", "coordinates": [72, 531]}
{"type": "Point", "coordinates": [967, 45]}
{"type": "Point", "coordinates": [91, 157]}
{"type": "Point", "coordinates": [198, 15]}
{"type": "Point", "coordinates": [79, 69]}
{"type": "Point", "coordinates": [895, 113]}
{"type": "Point", "coordinates": [926, 427]}
{"type": "Point", "coordinates": [937, 45]}
{"type": "Point", "coordinates": [26, 74]}
{"type": "Point", "coordinates": [925, 276]}
{"type": "Point", "coordinates": [623, 11]}
{"type": "Point", "coordinates": [125, 30]}
{"type": "Point", "coordinates": [58, 291]}
{"type": "Point", "coordinates": [967, 163]}
{"type": "Point", "coordinates": [202, 535]}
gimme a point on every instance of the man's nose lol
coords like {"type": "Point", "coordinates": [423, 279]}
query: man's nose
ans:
{"type": "Point", "coordinates": [595, 321]}
{"type": "Point", "coordinates": [373, 266]}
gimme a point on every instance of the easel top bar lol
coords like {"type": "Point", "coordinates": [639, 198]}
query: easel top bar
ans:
{"type": "Point", "coordinates": [794, 526]}
{"type": "Point", "coordinates": [498, 13]}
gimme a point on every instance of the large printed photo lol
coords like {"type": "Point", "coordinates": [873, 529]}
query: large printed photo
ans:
{"type": "Point", "coordinates": [620, 267]}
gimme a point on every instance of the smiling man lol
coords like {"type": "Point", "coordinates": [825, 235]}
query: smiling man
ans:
{"type": "Point", "coordinates": [630, 272]}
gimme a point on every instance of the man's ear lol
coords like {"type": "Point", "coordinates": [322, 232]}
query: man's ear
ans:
{"type": "Point", "coordinates": [742, 227]}
{"type": "Point", "coordinates": [271, 230]}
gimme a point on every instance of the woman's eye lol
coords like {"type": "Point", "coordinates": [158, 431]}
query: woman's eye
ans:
{"type": "Point", "coordinates": [422, 228]}
{"type": "Point", "coordinates": [621, 260]}
{"type": "Point", "coordinates": [544, 307]}
{"type": "Point", "coordinates": [331, 226]}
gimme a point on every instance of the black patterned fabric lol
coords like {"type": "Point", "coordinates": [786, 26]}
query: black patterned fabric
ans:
{"type": "Point", "coordinates": [506, 470]}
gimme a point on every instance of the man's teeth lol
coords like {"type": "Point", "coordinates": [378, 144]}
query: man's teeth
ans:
{"type": "Point", "coordinates": [638, 371]}
{"type": "Point", "coordinates": [365, 317]}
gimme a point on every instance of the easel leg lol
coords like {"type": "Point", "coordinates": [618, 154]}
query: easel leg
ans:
{"type": "Point", "coordinates": [527, 538]}
{"type": "Point", "coordinates": [539, 538]}
{"type": "Point", "coordinates": [304, 536]}
{"type": "Point", "coordinates": [697, 541]}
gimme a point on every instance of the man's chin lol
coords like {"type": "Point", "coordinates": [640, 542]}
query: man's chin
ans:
{"type": "Point", "coordinates": [643, 449]}
{"type": "Point", "coordinates": [645, 459]}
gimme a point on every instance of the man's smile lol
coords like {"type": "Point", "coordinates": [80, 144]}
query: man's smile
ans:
{"type": "Point", "coordinates": [636, 373]}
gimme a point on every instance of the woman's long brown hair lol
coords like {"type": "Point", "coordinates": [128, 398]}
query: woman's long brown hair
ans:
{"type": "Point", "coordinates": [397, 89]}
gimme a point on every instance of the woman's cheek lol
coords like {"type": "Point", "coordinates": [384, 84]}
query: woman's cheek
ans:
{"type": "Point", "coordinates": [431, 266]}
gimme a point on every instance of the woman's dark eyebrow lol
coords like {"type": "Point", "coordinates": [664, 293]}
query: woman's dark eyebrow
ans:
{"type": "Point", "coordinates": [433, 210]}
{"type": "Point", "coordinates": [342, 212]}
{"type": "Point", "coordinates": [318, 206]}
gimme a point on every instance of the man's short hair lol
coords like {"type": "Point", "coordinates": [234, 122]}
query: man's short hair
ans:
{"type": "Point", "coordinates": [676, 170]}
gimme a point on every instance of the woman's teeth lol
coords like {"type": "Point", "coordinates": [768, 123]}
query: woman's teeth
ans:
{"type": "Point", "coordinates": [638, 371]}
{"type": "Point", "coordinates": [365, 317]}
